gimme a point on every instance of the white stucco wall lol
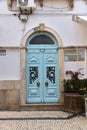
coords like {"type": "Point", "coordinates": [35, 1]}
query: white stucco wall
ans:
{"type": "Point", "coordinates": [72, 33]}
{"type": "Point", "coordinates": [10, 65]}
{"type": "Point", "coordinates": [10, 30]}
{"type": "Point", "coordinates": [59, 18]}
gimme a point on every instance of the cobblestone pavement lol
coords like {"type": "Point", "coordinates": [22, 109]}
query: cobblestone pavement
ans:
{"type": "Point", "coordinates": [41, 120]}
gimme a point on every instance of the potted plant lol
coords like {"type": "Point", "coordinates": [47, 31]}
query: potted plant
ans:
{"type": "Point", "coordinates": [75, 83]}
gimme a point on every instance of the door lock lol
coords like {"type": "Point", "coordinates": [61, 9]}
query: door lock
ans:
{"type": "Point", "coordinates": [46, 84]}
{"type": "Point", "coordinates": [38, 84]}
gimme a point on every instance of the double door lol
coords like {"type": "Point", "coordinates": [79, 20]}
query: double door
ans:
{"type": "Point", "coordinates": [42, 75]}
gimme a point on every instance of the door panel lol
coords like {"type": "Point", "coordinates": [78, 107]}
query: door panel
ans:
{"type": "Point", "coordinates": [33, 79]}
{"type": "Point", "coordinates": [51, 76]}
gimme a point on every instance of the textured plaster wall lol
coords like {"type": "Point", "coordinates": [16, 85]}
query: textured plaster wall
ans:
{"type": "Point", "coordinates": [10, 65]}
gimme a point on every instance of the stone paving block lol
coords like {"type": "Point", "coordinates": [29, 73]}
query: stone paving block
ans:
{"type": "Point", "coordinates": [75, 123]}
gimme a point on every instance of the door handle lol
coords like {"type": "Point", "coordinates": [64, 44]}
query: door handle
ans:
{"type": "Point", "coordinates": [38, 84]}
{"type": "Point", "coordinates": [46, 84]}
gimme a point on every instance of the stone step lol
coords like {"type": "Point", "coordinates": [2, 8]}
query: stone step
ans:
{"type": "Point", "coordinates": [43, 107]}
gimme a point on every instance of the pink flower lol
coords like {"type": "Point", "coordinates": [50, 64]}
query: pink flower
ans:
{"type": "Point", "coordinates": [66, 72]}
{"type": "Point", "coordinates": [79, 73]}
{"type": "Point", "coordinates": [74, 75]}
{"type": "Point", "coordinates": [70, 72]}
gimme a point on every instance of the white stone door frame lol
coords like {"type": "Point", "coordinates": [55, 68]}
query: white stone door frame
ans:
{"type": "Point", "coordinates": [41, 27]}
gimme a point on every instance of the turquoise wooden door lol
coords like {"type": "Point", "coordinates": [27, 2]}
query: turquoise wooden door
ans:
{"type": "Point", "coordinates": [42, 74]}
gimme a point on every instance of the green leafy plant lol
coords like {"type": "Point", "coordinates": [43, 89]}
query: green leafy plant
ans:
{"type": "Point", "coordinates": [71, 85]}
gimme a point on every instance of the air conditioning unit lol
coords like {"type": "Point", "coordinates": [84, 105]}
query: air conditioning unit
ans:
{"type": "Point", "coordinates": [26, 4]}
